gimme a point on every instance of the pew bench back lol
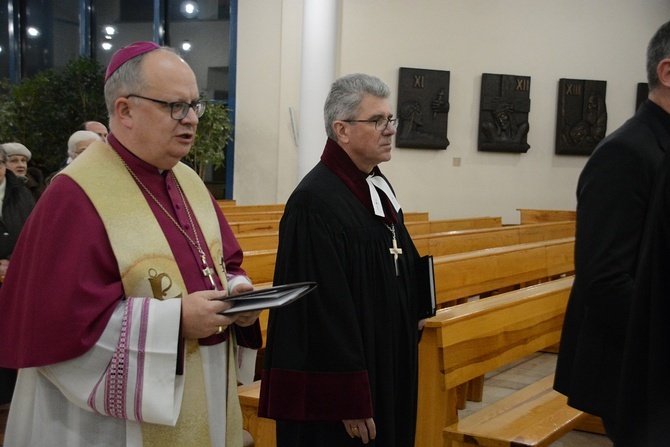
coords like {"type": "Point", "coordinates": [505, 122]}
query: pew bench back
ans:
{"type": "Point", "coordinates": [451, 242]}
{"type": "Point", "coordinates": [530, 216]}
{"type": "Point", "coordinates": [464, 275]}
{"type": "Point", "coordinates": [441, 226]}
{"type": "Point", "coordinates": [466, 341]}
{"type": "Point", "coordinates": [263, 235]}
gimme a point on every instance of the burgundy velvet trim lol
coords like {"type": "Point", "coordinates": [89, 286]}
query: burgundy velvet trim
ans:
{"type": "Point", "coordinates": [315, 396]}
{"type": "Point", "coordinates": [338, 161]}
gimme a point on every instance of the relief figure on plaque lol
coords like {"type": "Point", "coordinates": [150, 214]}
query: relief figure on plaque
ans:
{"type": "Point", "coordinates": [410, 119]}
{"type": "Point", "coordinates": [412, 124]}
{"type": "Point", "coordinates": [504, 129]}
{"type": "Point", "coordinates": [590, 130]}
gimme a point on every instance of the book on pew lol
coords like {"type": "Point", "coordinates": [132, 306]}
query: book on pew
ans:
{"type": "Point", "coordinates": [267, 298]}
{"type": "Point", "coordinates": [425, 276]}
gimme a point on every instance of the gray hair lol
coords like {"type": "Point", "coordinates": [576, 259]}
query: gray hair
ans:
{"type": "Point", "coordinates": [346, 95]}
{"type": "Point", "coordinates": [78, 137]}
{"type": "Point", "coordinates": [658, 49]}
{"type": "Point", "coordinates": [128, 79]}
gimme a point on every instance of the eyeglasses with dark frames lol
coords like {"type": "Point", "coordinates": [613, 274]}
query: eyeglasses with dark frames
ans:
{"type": "Point", "coordinates": [179, 109]}
{"type": "Point", "coordinates": [380, 123]}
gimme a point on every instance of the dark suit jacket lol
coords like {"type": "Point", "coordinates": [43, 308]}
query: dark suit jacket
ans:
{"type": "Point", "coordinates": [613, 195]}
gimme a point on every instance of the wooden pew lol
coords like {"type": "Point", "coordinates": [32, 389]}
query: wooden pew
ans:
{"type": "Point", "coordinates": [489, 333]}
{"type": "Point", "coordinates": [236, 213]}
{"type": "Point", "coordinates": [232, 206]}
{"type": "Point", "coordinates": [264, 239]}
{"type": "Point", "coordinates": [481, 272]}
{"type": "Point", "coordinates": [416, 216]}
{"type": "Point", "coordinates": [249, 216]}
{"type": "Point", "coordinates": [260, 265]}
{"type": "Point", "coordinates": [530, 216]}
{"type": "Point", "coordinates": [451, 242]}
{"type": "Point", "coordinates": [464, 275]}
{"type": "Point", "coordinates": [468, 340]}
{"type": "Point", "coordinates": [258, 226]}
{"type": "Point", "coordinates": [268, 240]}
{"type": "Point", "coordinates": [440, 226]}
{"type": "Point", "coordinates": [261, 429]}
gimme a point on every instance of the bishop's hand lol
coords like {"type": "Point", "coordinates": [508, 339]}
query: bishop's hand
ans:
{"type": "Point", "coordinates": [200, 314]}
{"type": "Point", "coordinates": [244, 319]}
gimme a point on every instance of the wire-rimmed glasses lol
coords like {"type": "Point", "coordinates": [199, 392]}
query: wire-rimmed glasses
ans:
{"type": "Point", "coordinates": [179, 109]}
{"type": "Point", "coordinates": [380, 123]}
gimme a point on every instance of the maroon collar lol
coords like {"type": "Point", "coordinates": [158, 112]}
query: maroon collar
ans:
{"type": "Point", "coordinates": [338, 161]}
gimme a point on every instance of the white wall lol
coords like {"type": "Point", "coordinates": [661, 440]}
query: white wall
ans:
{"type": "Point", "coordinates": [543, 39]}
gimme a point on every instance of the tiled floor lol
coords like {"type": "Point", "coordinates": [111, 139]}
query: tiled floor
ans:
{"type": "Point", "coordinates": [505, 381]}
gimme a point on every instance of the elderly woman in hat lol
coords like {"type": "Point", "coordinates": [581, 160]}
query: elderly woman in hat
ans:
{"type": "Point", "coordinates": [16, 203]}
{"type": "Point", "coordinates": [18, 157]}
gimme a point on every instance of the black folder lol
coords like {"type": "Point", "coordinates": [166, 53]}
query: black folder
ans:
{"type": "Point", "coordinates": [425, 277]}
{"type": "Point", "coordinates": [267, 298]}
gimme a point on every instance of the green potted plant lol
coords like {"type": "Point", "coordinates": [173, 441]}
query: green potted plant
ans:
{"type": "Point", "coordinates": [42, 112]}
{"type": "Point", "coordinates": [215, 130]}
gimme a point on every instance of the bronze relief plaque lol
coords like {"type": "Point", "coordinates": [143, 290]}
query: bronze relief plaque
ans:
{"type": "Point", "coordinates": [503, 113]}
{"type": "Point", "coordinates": [581, 121]}
{"type": "Point", "coordinates": [423, 109]}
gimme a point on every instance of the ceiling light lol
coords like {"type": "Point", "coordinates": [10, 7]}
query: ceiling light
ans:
{"type": "Point", "coordinates": [189, 9]}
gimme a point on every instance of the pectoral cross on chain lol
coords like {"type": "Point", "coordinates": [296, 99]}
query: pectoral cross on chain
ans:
{"type": "Point", "coordinates": [395, 250]}
{"type": "Point", "coordinates": [207, 270]}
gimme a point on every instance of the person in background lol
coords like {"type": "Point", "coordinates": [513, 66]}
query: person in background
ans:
{"type": "Point", "coordinates": [79, 141]}
{"type": "Point", "coordinates": [16, 204]}
{"type": "Point", "coordinates": [18, 158]}
{"type": "Point", "coordinates": [90, 126]}
{"type": "Point", "coordinates": [96, 127]}
{"type": "Point", "coordinates": [341, 363]}
{"type": "Point", "coordinates": [112, 308]}
{"type": "Point", "coordinates": [613, 197]}
{"type": "Point", "coordinates": [76, 144]}
{"type": "Point", "coordinates": [644, 393]}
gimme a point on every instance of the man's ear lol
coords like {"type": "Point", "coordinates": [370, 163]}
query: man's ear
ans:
{"type": "Point", "coordinates": [663, 72]}
{"type": "Point", "coordinates": [341, 131]}
{"type": "Point", "coordinates": [124, 112]}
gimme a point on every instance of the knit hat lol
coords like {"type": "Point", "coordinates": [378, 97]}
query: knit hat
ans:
{"type": "Point", "coordinates": [128, 52]}
{"type": "Point", "coordinates": [16, 149]}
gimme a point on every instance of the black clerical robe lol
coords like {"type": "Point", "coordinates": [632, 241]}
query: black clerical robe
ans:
{"type": "Point", "coordinates": [644, 396]}
{"type": "Point", "coordinates": [348, 350]}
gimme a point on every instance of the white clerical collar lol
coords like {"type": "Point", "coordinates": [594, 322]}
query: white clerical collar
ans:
{"type": "Point", "coordinates": [380, 183]}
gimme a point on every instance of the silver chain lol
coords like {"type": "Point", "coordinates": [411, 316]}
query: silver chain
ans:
{"type": "Point", "coordinates": [195, 244]}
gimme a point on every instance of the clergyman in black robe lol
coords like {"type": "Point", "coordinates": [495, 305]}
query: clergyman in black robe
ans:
{"type": "Point", "coordinates": [644, 395]}
{"type": "Point", "coordinates": [341, 363]}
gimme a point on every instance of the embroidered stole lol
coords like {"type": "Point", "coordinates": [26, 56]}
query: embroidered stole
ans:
{"type": "Point", "coordinates": [148, 269]}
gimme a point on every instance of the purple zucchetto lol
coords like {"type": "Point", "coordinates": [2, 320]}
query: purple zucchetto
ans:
{"type": "Point", "coordinates": [128, 52]}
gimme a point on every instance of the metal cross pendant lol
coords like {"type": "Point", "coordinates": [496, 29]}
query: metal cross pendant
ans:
{"type": "Point", "coordinates": [208, 271]}
{"type": "Point", "coordinates": [395, 250]}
